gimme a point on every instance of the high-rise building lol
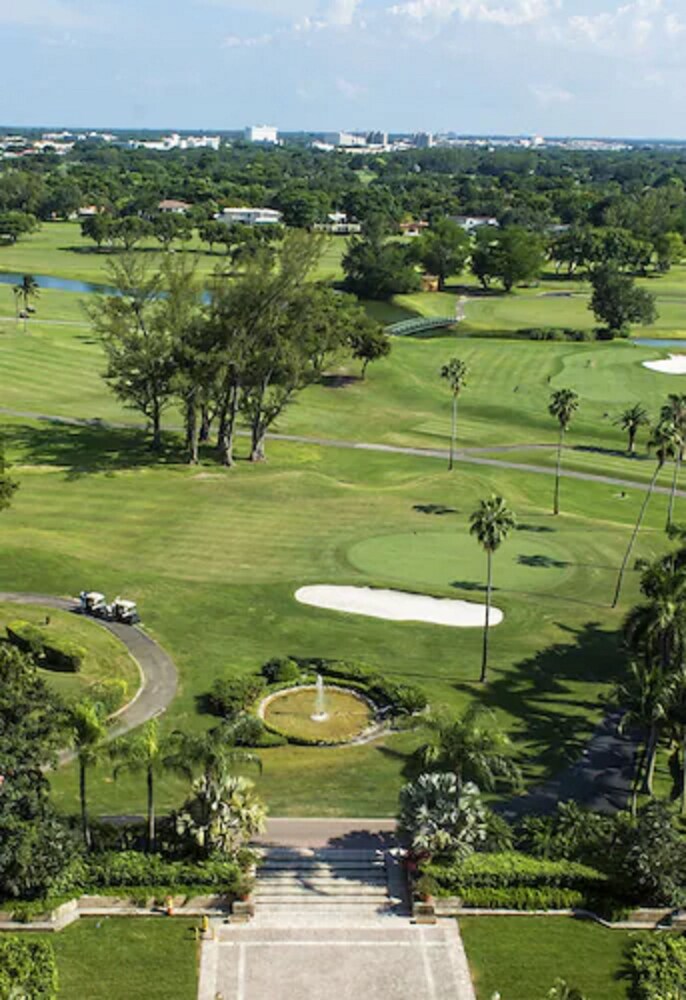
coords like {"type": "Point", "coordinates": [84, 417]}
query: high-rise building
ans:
{"type": "Point", "coordinates": [377, 138]}
{"type": "Point", "coordinates": [262, 133]}
{"type": "Point", "coordinates": [424, 140]}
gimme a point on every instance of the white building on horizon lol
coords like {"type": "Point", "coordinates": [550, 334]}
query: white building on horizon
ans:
{"type": "Point", "coordinates": [345, 139]}
{"type": "Point", "coordinates": [266, 134]}
{"type": "Point", "coordinates": [250, 216]}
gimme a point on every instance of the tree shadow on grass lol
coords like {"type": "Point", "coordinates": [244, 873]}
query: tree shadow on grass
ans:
{"type": "Point", "coordinates": [82, 450]}
{"type": "Point", "coordinates": [433, 508]}
{"type": "Point", "coordinates": [552, 718]}
{"type": "Point", "coordinates": [471, 585]}
{"type": "Point", "coordinates": [538, 529]}
{"type": "Point", "coordinates": [541, 562]}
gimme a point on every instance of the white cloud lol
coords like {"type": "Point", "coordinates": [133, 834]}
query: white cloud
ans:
{"type": "Point", "coordinates": [348, 89]}
{"type": "Point", "coordinates": [248, 41]}
{"type": "Point", "coordinates": [506, 12]}
{"type": "Point", "coordinates": [341, 11]}
{"type": "Point", "coordinates": [547, 95]}
{"type": "Point", "coordinates": [630, 27]}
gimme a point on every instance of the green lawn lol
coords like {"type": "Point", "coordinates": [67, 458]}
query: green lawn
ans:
{"type": "Point", "coordinates": [521, 957]}
{"type": "Point", "coordinates": [146, 958]}
{"type": "Point", "coordinates": [106, 658]}
{"type": "Point", "coordinates": [214, 557]}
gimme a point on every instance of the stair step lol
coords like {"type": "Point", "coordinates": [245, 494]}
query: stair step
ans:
{"type": "Point", "coordinates": [322, 854]}
{"type": "Point", "coordinates": [322, 870]}
{"type": "Point", "coordinates": [290, 899]}
{"type": "Point", "coordinates": [260, 892]}
{"type": "Point", "coordinates": [328, 880]}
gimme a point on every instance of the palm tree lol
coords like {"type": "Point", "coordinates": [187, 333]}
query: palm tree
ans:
{"type": "Point", "coordinates": [27, 289]}
{"type": "Point", "coordinates": [214, 753]}
{"type": "Point", "coordinates": [490, 523]}
{"type": "Point", "coordinates": [455, 373]}
{"type": "Point", "coordinates": [674, 410]}
{"type": "Point", "coordinates": [664, 439]}
{"type": "Point", "coordinates": [643, 696]}
{"type": "Point", "coordinates": [676, 715]}
{"type": "Point", "coordinates": [563, 405]}
{"type": "Point", "coordinates": [472, 747]}
{"type": "Point", "coordinates": [145, 752]}
{"type": "Point", "coordinates": [89, 733]}
{"type": "Point", "coordinates": [631, 420]}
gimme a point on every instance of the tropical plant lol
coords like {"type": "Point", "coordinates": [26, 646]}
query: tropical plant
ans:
{"type": "Point", "coordinates": [26, 290]}
{"type": "Point", "coordinates": [213, 753]}
{"type": "Point", "coordinates": [455, 374]}
{"type": "Point", "coordinates": [642, 694]}
{"type": "Point", "coordinates": [562, 991]}
{"type": "Point", "coordinates": [664, 440]}
{"type": "Point", "coordinates": [676, 719]}
{"type": "Point", "coordinates": [563, 405]}
{"type": "Point", "coordinates": [631, 420]}
{"type": "Point", "coordinates": [437, 816]}
{"type": "Point", "coordinates": [490, 523]}
{"type": "Point", "coordinates": [88, 735]}
{"type": "Point", "coordinates": [472, 747]}
{"type": "Point", "coordinates": [223, 813]}
{"type": "Point", "coordinates": [674, 411]}
{"type": "Point", "coordinates": [144, 752]}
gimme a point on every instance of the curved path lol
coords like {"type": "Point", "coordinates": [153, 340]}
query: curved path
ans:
{"type": "Point", "coordinates": [157, 668]}
{"type": "Point", "coordinates": [470, 456]}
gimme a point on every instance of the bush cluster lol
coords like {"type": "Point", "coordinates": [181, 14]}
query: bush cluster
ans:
{"type": "Point", "coordinates": [553, 333]}
{"type": "Point", "coordinates": [402, 699]}
{"type": "Point", "coordinates": [131, 869]}
{"type": "Point", "coordinates": [50, 651]}
{"type": "Point", "coordinates": [658, 968]}
{"type": "Point", "coordinates": [229, 697]}
{"type": "Point", "coordinates": [281, 671]}
{"type": "Point", "coordinates": [510, 879]}
{"type": "Point", "coordinates": [27, 969]}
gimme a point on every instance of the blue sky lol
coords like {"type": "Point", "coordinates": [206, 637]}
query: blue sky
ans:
{"type": "Point", "coordinates": [591, 67]}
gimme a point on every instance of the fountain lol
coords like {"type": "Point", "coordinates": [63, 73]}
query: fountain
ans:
{"type": "Point", "coordinates": [320, 713]}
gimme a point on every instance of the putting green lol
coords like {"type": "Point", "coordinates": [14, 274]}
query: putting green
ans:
{"type": "Point", "coordinates": [531, 561]}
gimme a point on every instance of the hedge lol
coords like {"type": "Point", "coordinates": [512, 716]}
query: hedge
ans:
{"type": "Point", "coordinates": [511, 870]}
{"type": "Point", "coordinates": [53, 652]}
{"type": "Point", "coordinates": [27, 969]}
{"type": "Point", "coordinates": [523, 898]}
{"type": "Point", "coordinates": [126, 869]}
{"type": "Point", "coordinates": [658, 968]}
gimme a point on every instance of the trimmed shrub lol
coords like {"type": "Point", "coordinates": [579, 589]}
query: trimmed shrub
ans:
{"type": "Point", "coordinates": [495, 876]}
{"type": "Point", "coordinates": [125, 869]}
{"type": "Point", "coordinates": [111, 693]}
{"type": "Point", "coordinates": [26, 637]}
{"type": "Point", "coordinates": [523, 898]}
{"type": "Point", "coordinates": [281, 671]}
{"type": "Point", "coordinates": [249, 731]}
{"type": "Point", "coordinates": [27, 969]}
{"type": "Point", "coordinates": [230, 697]}
{"type": "Point", "coordinates": [658, 968]}
{"type": "Point", "coordinates": [63, 655]}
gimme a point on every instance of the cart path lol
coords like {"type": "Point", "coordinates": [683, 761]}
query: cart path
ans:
{"type": "Point", "coordinates": [469, 456]}
{"type": "Point", "coordinates": [159, 676]}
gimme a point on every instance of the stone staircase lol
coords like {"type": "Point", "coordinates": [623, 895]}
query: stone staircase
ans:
{"type": "Point", "coordinates": [325, 885]}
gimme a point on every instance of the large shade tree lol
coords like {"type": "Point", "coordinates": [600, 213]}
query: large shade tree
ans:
{"type": "Point", "coordinates": [490, 524]}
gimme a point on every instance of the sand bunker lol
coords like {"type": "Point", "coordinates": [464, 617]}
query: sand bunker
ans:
{"type": "Point", "coordinates": [675, 364]}
{"type": "Point", "coordinates": [397, 606]}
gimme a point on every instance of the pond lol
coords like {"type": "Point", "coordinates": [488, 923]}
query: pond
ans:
{"type": "Point", "coordinates": [656, 342]}
{"type": "Point", "coordinates": [57, 284]}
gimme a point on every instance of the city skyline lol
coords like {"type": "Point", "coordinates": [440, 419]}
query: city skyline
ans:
{"type": "Point", "coordinates": [483, 67]}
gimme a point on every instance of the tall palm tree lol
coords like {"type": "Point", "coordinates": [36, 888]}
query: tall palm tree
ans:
{"type": "Point", "coordinates": [674, 410]}
{"type": "Point", "coordinates": [213, 753]}
{"type": "Point", "coordinates": [676, 715]}
{"type": "Point", "coordinates": [455, 374]}
{"type": "Point", "coordinates": [490, 523]}
{"type": "Point", "coordinates": [26, 290]}
{"type": "Point", "coordinates": [664, 440]}
{"type": "Point", "coordinates": [644, 696]}
{"type": "Point", "coordinates": [88, 735]}
{"type": "Point", "coordinates": [145, 752]}
{"type": "Point", "coordinates": [472, 747]}
{"type": "Point", "coordinates": [563, 405]}
{"type": "Point", "coordinates": [631, 420]}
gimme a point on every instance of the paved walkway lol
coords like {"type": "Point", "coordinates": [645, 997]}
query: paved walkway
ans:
{"type": "Point", "coordinates": [388, 960]}
{"type": "Point", "coordinates": [469, 456]}
{"type": "Point", "coordinates": [356, 834]}
{"type": "Point", "coordinates": [159, 677]}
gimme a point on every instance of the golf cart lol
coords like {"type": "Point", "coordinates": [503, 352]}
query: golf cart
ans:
{"type": "Point", "coordinates": [124, 611]}
{"type": "Point", "coordinates": [93, 603]}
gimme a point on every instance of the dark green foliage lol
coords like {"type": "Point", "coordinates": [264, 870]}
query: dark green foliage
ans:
{"type": "Point", "coordinates": [375, 269]}
{"type": "Point", "coordinates": [281, 671]}
{"type": "Point", "coordinates": [617, 302]}
{"type": "Point", "coordinates": [230, 697]}
{"type": "Point", "coordinates": [130, 868]}
{"type": "Point", "coordinates": [249, 731]}
{"type": "Point", "coordinates": [26, 637]}
{"type": "Point", "coordinates": [27, 969]}
{"type": "Point", "coordinates": [658, 968]}
{"type": "Point", "coordinates": [513, 870]}
{"type": "Point", "coordinates": [403, 699]}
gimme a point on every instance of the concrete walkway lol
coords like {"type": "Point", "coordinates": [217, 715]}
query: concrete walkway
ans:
{"type": "Point", "coordinates": [158, 673]}
{"type": "Point", "coordinates": [469, 456]}
{"type": "Point", "coordinates": [355, 834]}
{"type": "Point", "coordinates": [387, 960]}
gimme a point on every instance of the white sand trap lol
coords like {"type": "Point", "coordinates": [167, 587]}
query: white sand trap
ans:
{"type": "Point", "coordinates": [397, 606]}
{"type": "Point", "coordinates": [675, 364]}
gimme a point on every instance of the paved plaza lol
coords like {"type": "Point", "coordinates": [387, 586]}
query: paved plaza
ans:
{"type": "Point", "coordinates": [389, 959]}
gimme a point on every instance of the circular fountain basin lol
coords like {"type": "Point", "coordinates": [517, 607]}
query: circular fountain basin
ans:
{"type": "Point", "coordinates": [293, 713]}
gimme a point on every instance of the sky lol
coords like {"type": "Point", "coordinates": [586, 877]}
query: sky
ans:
{"type": "Point", "coordinates": [548, 67]}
